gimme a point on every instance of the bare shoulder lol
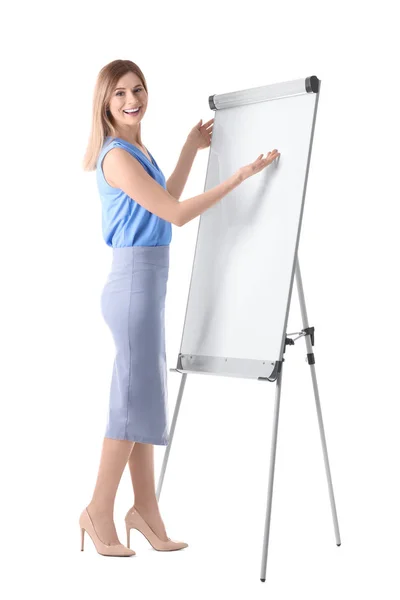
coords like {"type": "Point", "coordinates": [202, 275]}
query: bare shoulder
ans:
{"type": "Point", "coordinates": [119, 166]}
{"type": "Point", "coordinates": [109, 163]}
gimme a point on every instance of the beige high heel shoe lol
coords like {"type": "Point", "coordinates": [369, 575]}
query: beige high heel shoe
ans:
{"type": "Point", "coordinates": [86, 524]}
{"type": "Point", "coordinates": [134, 520]}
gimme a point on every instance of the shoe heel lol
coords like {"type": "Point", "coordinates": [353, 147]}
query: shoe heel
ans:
{"type": "Point", "coordinates": [133, 520]}
{"type": "Point", "coordinates": [86, 524]}
{"type": "Point", "coordinates": [128, 537]}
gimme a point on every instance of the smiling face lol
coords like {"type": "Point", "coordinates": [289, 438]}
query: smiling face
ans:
{"type": "Point", "coordinates": [129, 93]}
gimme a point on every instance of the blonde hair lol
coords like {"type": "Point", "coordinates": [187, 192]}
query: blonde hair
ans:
{"type": "Point", "coordinates": [102, 124]}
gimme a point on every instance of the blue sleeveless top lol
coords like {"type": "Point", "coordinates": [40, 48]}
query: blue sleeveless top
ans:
{"type": "Point", "coordinates": [124, 221]}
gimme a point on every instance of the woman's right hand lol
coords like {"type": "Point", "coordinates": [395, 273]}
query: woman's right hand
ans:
{"type": "Point", "coordinates": [258, 165]}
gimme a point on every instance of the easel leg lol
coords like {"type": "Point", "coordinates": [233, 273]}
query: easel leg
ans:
{"type": "Point", "coordinates": [317, 401]}
{"type": "Point", "coordinates": [171, 435]}
{"type": "Point", "coordinates": [271, 475]}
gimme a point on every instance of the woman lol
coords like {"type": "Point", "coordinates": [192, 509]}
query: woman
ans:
{"type": "Point", "coordinates": [138, 209]}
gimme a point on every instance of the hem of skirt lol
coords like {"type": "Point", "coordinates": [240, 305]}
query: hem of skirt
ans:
{"type": "Point", "coordinates": [140, 439]}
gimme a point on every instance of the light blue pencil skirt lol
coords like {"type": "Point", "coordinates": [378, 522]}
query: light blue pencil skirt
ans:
{"type": "Point", "coordinates": [133, 306]}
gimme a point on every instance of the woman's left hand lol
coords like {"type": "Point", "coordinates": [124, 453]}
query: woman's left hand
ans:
{"type": "Point", "coordinates": [200, 135]}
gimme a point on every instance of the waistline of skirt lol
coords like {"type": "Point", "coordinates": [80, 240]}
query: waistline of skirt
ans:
{"type": "Point", "coordinates": [158, 255]}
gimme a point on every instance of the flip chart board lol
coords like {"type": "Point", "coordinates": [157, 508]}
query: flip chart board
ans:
{"type": "Point", "coordinates": [245, 255]}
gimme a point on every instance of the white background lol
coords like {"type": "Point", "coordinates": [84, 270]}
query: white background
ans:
{"type": "Point", "coordinates": [57, 351]}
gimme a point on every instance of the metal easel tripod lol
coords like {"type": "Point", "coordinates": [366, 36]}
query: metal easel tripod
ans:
{"type": "Point", "coordinates": [308, 333]}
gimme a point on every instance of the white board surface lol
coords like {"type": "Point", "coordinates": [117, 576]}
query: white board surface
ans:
{"type": "Point", "coordinates": [246, 246]}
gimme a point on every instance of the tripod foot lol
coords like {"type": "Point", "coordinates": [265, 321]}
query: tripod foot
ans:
{"type": "Point", "coordinates": [262, 579]}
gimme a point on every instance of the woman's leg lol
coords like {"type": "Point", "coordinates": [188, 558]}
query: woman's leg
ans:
{"type": "Point", "coordinates": [141, 465]}
{"type": "Point", "coordinates": [114, 456]}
